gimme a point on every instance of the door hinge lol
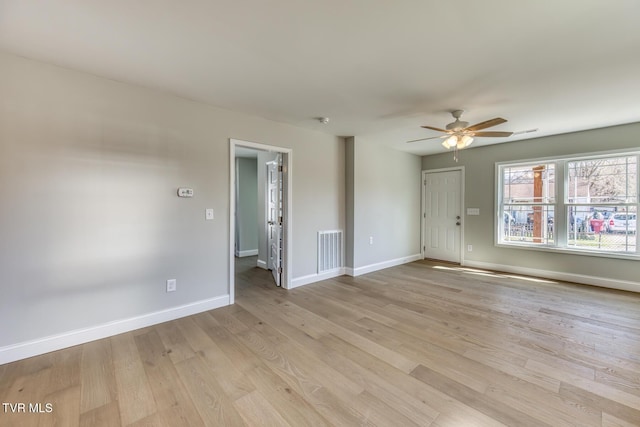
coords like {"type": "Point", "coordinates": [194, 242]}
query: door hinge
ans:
{"type": "Point", "coordinates": [280, 168]}
{"type": "Point", "coordinates": [279, 270]}
{"type": "Point", "coordinates": [280, 220]}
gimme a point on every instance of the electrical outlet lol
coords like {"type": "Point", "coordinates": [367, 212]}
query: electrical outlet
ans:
{"type": "Point", "coordinates": [371, 240]}
{"type": "Point", "coordinates": [469, 248]}
{"type": "Point", "coordinates": [208, 214]}
{"type": "Point", "coordinates": [172, 285]}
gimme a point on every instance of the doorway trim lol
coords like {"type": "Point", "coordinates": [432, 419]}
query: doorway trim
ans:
{"type": "Point", "coordinates": [287, 220]}
{"type": "Point", "coordinates": [423, 214]}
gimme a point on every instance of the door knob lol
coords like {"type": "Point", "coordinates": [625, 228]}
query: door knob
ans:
{"type": "Point", "coordinates": [457, 222]}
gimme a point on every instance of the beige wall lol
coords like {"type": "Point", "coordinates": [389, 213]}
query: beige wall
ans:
{"type": "Point", "coordinates": [386, 203]}
{"type": "Point", "coordinates": [479, 166]}
{"type": "Point", "coordinates": [349, 200]}
{"type": "Point", "coordinates": [90, 224]}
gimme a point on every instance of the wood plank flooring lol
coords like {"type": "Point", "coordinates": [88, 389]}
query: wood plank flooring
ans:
{"type": "Point", "coordinates": [423, 344]}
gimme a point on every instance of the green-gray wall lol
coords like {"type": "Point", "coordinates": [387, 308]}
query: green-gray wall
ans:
{"type": "Point", "coordinates": [246, 205]}
{"type": "Point", "coordinates": [479, 164]}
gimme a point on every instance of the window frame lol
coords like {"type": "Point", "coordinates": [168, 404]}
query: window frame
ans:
{"type": "Point", "coordinates": [544, 204]}
{"type": "Point", "coordinates": [561, 205]}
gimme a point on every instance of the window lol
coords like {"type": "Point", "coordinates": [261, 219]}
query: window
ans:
{"type": "Point", "coordinates": [587, 204]}
{"type": "Point", "coordinates": [528, 201]}
{"type": "Point", "coordinates": [602, 197]}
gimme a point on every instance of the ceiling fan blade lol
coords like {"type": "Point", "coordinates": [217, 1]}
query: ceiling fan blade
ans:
{"type": "Point", "coordinates": [493, 134]}
{"type": "Point", "coordinates": [424, 139]}
{"type": "Point", "coordinates": [432, 128]}
{"type": "Point", "coordinates": [486, 124]}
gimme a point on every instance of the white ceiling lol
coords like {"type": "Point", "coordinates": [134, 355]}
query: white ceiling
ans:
{"type": "Point", "coordinates": [377, 68]}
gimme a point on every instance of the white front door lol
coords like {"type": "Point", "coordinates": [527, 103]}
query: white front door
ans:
{"type": "Point", "coordinates": [274, 218]}
{"type": "Point", "coordinates": [442, 215]}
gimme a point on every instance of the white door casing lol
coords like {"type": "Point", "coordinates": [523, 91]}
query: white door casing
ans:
{"type": "Point", "coordinates": [442, 215]}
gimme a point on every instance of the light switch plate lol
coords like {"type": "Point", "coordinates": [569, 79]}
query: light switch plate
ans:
{"type": "Point", "coordinates": [473, 211]}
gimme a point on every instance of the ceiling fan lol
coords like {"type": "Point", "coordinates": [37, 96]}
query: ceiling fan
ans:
{"type": "Point", "coordinates": [460, 135]}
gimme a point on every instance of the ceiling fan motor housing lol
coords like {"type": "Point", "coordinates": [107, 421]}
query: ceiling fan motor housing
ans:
{"type": "Point", "coordinates": [457, 125]}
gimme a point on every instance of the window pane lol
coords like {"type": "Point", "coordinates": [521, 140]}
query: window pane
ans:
{"type": "Point", "coordinates": [593, 228]}
{"type": "Point", "coordinates": [607, 180]}
{"type": "Point", "coordinates": [528, 184]}
{"type": "Point", "coordinates": [528, 224]}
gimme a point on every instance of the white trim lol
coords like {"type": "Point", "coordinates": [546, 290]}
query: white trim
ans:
{"type": "Point", "coordinates": [249, 252]}
{"type": "Point", "coordinates": [288, 220]}
{"type": "Point", "coordinates": [382, 265]}
{"type": "Point", "coordinates": [623, 285]}
{"type": "Point", "coordinates": [570, 250]}
{"type": "Point", "coordinates": [312, 278]}
{"type": "Point", "coordinates": [463, 211]}
{"type": "Point", "coordinates": [262, 264]}
{"type": "Point", "coordinates": [569, 157]}
{"type": "Point", "coordinates": [288, 214]}
{"type": "Point", "coordinates": [39, 346]}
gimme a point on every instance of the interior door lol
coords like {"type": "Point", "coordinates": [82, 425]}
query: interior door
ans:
{"type": "Point", "coordinates": [274, 218]}
{"type": "Point", "coordinates": [442, 215]}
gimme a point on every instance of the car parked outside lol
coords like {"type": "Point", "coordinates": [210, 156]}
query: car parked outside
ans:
{"type": "Point", "coordinates": [622, 222]}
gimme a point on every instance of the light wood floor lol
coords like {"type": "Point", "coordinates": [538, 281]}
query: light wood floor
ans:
{"type": "Point", "coordinates": [412, 345]}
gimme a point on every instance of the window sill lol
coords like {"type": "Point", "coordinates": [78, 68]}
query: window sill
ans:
{"type": "Point", "coordinates": [570, 251]}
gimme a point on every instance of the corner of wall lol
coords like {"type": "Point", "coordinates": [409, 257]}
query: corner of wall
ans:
{"type": "Point", "coordinates": [349, 202]}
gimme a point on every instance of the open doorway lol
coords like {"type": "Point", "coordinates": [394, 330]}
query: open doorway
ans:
{"type": "Point", "coordinates": [260, 189]}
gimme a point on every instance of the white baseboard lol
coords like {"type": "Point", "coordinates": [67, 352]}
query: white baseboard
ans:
{"type": "Point", "coordinates": [382, 265]}
{"type": "Point", "coordinates": [36, 347]}
{"type": "Point", "coordinates": [312, 278]}
{"type": "Point", "coordinates": [605, 282]}
{"type": "Point", "coordinates": [250, 252]}
{"type": "Point", "coordinates": [262, 264]}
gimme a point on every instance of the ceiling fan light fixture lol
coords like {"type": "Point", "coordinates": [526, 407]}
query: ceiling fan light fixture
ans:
{"type": "Point", "coordinates": [459, 135]}
{"type": "Point", "coordinates": [465, 141]}
{"type": "Point", "coordinates": [450, 142]}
